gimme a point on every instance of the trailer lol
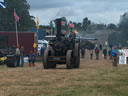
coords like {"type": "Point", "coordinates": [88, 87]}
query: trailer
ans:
{"type": "Point", "coordinates": [8, 44]}
{"type": "Point", "coordinates": [26, 39]}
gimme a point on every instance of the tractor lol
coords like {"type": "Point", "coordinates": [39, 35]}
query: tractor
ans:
{"type": "Point", "coordinates": [62, 50]}
{"type": "Point", "coordinates": [7, 54]}
{"type": "Point", "coordinates": [3, 58]}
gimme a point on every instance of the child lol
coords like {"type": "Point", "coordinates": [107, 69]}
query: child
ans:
{"type": "Point", "coordinates": [31, 59]}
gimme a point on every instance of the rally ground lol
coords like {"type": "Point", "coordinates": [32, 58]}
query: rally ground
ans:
{"type": "Point", "coordinates": [94, 78]}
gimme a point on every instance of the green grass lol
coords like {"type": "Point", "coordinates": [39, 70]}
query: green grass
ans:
{"type": "Point", "coordinates": [112, 82]}
{"type": "Point", "coordinates": [89, 80]}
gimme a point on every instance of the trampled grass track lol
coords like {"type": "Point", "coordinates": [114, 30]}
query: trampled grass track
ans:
{"type": "Point", "coordinates": [94, 78]}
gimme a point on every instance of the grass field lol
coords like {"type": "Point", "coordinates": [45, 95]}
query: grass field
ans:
{"type": "Point", "coordinates": [94, 78]}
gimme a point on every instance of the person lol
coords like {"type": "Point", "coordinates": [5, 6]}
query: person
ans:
{"type": "Point", "coordinates": [31, 58]}
{"type": "Point", "coordinates": [115, 54]}
{"type": "Point", "coordinates": [22, 56]}
{"type": "Point", "coordinates": [110, 46]}
{"type": "Point", "coordinates": [83, 52]}
{"type": "Point", "coordinates": [47, 33]}
{"type": "Point", "coordinates": [18, 55]}
{"type": "Point", "coordinates": [105, 53]}
{"type": "Point", "coordinates": [97, 53]}
{"type": "Point", "coordinates": [63, 35]}
{"type": "Point", "coordinates": [100, 46]}
{"type": "Point", "coordinates": [71, 37]}
{"type": "Point", "coordinates": [91, 54]}
{"type": "Point", "coordinates": [110, 53]}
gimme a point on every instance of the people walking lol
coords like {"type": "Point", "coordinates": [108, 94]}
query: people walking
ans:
{"type": "Point", "coordinates": [110, 53]}
{"type": "Point", "coordinates": [97, 53]}
{"type": "Point", "coordinates": [83, 52]}
{"type": "Point", "coordinates": [115, 54]}
{"type": "Point", "coordinates": [105, 53]}
{"type": "Point", "coordinates": [100, 46]}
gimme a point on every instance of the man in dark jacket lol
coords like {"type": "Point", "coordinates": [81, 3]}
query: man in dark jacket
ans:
{"type": "Point", "coordinates": [105, 53]}
{"type": "Point", "coordinates": [83, 52]}
{"type": "Point", "coordinates": [97, 53]}
{"type": "Point", "coordinates": [110, 54]}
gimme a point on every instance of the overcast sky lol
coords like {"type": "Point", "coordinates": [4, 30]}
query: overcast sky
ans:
{"type": "Point", "coordinates": [98, 11]}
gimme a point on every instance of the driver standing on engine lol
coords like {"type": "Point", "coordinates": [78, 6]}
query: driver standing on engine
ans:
{"type": "Point", "coordinates": [71, 38]}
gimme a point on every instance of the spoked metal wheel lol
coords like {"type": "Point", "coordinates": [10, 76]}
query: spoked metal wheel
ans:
{"type": "Point", "coordinates": [77, 56]}
{"type": "Point", "coordinates": [47, 64]}
{"type": "Point", "coordinates": [45, 58]}
{"type": "Point", "coordinates": [69, 59]}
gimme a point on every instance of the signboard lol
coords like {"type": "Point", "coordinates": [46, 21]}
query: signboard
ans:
{"type": "Point", "coordinates": [126, 52]}
{"type": "Point", "coordinates": [122, 59]}
{"type": "Point", "coordinates": [106, 43]}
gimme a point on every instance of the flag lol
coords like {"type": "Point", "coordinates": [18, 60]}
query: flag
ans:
{"type": "Point", "coordinates": [2, 4]}
{"type": "Point", "coordinates": [37, 23]}
{"type": "Point", "coordinates": [71, 25]}
{"type": "Point", "coordinates": [63, 23]}
{"type": "Point", "coordinates": [16, 17]}
{"type": "Point", "coordinates": [37, 20]}
{"type": "Point", "coordinates": [75, 31]}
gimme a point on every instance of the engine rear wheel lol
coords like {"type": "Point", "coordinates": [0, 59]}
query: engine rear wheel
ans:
{"type": "Point", "coordinates": [77, 56]}
{"type": "Point", "coordinates": [69, 59]}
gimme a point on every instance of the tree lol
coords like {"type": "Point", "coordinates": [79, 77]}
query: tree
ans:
{"type": "Point", "coordinates": [100, 26]}
{"type": "Point", "coordinates": [111, 26]}
{"type": "Point", "coordinates": [121, 36]}
{"type": "Point", "coordinates": [86, 23]}
{"type": "Point", "coordinates": [113, 38]}
{"type": "Point", "coordinates": [123, 26]}
{"type": "Point", "coordinates": [78, 26]}
{"type": "Point", "coordinates": [7, 22]}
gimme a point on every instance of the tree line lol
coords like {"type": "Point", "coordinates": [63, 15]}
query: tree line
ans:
{"type": "Point", "coordinates": [7, 22]}
{"type": "Point", "coordinates": [26, 22]}
{"type": "Point", "coordinates": [120, 37]}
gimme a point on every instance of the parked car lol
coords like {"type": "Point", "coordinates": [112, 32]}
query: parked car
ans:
{"type": "Point", "coordinates": [42, 43]}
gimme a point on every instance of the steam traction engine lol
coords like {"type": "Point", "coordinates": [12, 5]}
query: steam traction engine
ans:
{"type": "Point", "coordinates": [62, 50]}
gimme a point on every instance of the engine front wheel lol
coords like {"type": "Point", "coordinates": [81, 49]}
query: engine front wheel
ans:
{"type": "Point", "coordinates": [47, 64]}
{"type": "Point", "coordinates": [69, 59]}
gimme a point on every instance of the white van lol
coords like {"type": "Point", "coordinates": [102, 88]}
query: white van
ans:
{"type": "Point", "coordinates": [42, 43]}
